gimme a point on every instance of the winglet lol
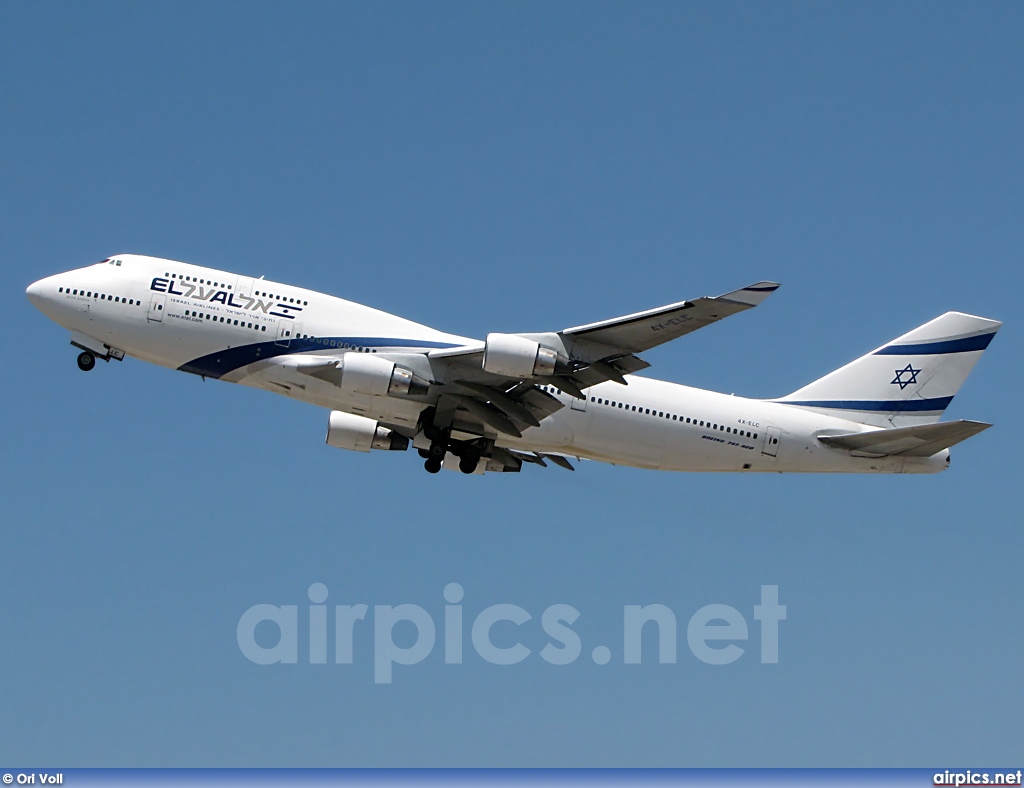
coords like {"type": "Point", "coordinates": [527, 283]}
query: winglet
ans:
{"type": "Point", "coordinates": [751, 295]}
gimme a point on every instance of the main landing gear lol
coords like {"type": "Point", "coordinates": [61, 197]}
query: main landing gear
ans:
{"type": "Point", "coordinates": [86, 361]}
{"type": "Point", "coordinates": [441, 443]}
{"type": "Point", "coordinates": [439, 438]}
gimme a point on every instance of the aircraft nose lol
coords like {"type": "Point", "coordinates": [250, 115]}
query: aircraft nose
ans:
{"type": "Point", "coordinates": [43, 294]}
{"type": "Point", "coordinates": [35, 292]}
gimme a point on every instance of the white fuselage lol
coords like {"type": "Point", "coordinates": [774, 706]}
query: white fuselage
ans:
{"type": "Point", "coordinates": [258, 333]}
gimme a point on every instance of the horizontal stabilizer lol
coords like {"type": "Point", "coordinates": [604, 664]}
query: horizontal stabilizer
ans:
{"type": "Point", "coordinates": [921, 440]}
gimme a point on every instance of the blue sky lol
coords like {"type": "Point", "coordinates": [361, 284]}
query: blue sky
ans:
{"type": "Point", "coordinates": [510, 166]}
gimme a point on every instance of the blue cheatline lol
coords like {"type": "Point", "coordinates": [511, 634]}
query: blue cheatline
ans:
{"type": "Point", "coordinates": [884, 406]}
{"type": "Point", "coordinates": [962, 345]}
{"type": "Point", "coordinates": [216, 365]}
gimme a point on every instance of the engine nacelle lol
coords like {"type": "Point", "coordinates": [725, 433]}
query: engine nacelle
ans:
{"type": "Point", "coordinates": [358, 433]}
{"type": "Point", "coordinates": [368, 374]}
{"type": "Point", "coordinates": [517, 357]}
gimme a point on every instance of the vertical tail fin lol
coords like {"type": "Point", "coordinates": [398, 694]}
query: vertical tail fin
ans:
{"type": "Point", "coordinates": [909, 381]}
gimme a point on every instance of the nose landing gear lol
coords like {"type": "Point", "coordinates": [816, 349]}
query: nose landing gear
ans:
{"type": "Point", "coordinates": [93, 351]}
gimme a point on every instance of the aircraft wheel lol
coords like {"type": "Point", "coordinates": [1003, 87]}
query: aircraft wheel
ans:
{"type": "Point", "coordinates": [437, 451]}
{"type": "Point", "coordinates": [468, 463]}
{"type": "Point", "coordinates": [86, 361]}
{"type": "Point", "coordinates": [432, 465]}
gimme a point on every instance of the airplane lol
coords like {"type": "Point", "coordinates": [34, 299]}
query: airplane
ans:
{"type": "Point", "coordinates": [515, 399]}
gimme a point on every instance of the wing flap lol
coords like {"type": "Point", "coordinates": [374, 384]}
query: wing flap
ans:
{"type": "Point", "coordinates": [921, 440]}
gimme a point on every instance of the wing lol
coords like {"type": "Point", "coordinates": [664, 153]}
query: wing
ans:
{"type": "Point", "coordinates": [500, 399]}
{"type": "Point", "coordinates": [644, 330]}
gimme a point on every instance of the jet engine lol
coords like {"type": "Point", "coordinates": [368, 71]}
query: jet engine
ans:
{"type": "Point", "coordinates": [517, 357]}
{"type": "Point", "coordinates": [358, 433]}
{"type": "Point", "coordinates": [373, 375]}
